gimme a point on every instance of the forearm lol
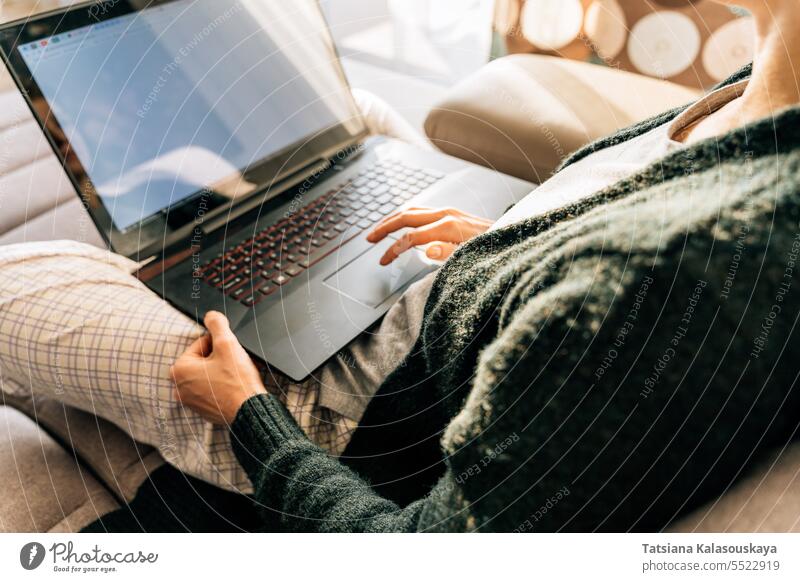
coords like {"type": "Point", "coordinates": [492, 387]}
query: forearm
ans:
{"type": "Point", "coordinates": [310, 490]}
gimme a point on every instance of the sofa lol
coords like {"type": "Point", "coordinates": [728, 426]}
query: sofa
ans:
{"type": "Point", "coordinates": [61, 469]}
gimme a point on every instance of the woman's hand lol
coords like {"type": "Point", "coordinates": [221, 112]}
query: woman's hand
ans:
{"type": "Point", "coordinates": [215, 376]}
{"type": "Point", "coordinates": [447, 227]}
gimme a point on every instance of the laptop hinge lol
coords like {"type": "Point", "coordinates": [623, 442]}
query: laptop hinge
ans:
{"type": "Point", "coordinates": [315, 168]}
{"type": "Point", "coordinates": [160, 259]}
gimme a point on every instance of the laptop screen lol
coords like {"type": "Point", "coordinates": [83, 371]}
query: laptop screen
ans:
{"type": "Point", "coordinates": [165, 103]}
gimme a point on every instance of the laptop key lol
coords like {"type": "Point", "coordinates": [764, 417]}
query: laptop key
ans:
{"type": "Point", "coordinates": [207, 274]}
{"type": "Point", "coordinates": [282, 250]}
{"type": "Point", "coordinates": [232, 282]}
{"type": "Point", "coordinates": [268, 289]}
{"type": "Point", "coordinates": [294, 271]}
{"type": "Point", "coordinates": [258, 283]}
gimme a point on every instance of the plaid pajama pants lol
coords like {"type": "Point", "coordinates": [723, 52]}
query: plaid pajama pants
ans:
{"type": "Point", "coordinates": [77, 327]}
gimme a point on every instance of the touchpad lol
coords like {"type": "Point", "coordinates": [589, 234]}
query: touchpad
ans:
{"type": "Point", "coordinates": [366, 281]}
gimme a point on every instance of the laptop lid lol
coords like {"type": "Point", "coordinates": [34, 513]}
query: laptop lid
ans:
{"type": "Point", "coordinates": [165, 113]}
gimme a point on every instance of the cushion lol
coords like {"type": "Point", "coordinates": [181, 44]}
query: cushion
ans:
{"type": "Point", "coordinates": [765, 500]}
{"type": "Point", "coordinates": [44, 488]}
{"type": "Point", "coordinates": [38, 201]}
{"type": "Point", "coordinates": [117, 461]}
{"type": "Point", "coordinates": [523, 114]}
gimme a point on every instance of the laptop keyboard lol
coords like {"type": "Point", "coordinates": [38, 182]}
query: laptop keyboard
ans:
{"type": "Point", "coordinates": [256, 268]}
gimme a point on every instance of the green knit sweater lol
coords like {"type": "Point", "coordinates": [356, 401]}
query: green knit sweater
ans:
{"type": "Point", "coordinates": [608, 366]}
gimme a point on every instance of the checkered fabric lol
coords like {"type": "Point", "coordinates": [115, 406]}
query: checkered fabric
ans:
{"type": "Point", "coordinates": [76, 326]}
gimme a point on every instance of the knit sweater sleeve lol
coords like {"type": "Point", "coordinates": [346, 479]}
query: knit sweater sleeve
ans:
{"type": "Point", "coordinates": [311, 491]}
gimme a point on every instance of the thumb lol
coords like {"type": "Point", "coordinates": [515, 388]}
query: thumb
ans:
{"type": "Point", "coordinates": [440, 251]}
{"type": "Point", "coordinates": [200, 348]}
{"type": "Point", "coordinates": [217, 325]}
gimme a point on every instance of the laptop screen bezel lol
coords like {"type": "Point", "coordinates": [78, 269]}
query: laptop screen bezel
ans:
{"type": "Point", "coordinates": [155, 231]}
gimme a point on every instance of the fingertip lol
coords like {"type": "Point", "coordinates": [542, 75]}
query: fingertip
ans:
{"type": "Point", "coordinates": [217, 325]}
{"type": "Point", "coordinates": [217, 316]}
{"type": "Point", "coordinates": [376, 235]}
{"type": "Point", "coordinates": [434, 252]}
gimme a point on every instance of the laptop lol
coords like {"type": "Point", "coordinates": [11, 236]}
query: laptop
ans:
{"type": "Point", "coordinates": [217, 142]}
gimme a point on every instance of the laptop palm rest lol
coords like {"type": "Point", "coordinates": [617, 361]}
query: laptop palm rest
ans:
{"type": "Point", "coordinates": [363, 280]}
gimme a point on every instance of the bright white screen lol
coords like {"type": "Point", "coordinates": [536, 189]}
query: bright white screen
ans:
{"type": "Point", "coordinates": [164, 102]}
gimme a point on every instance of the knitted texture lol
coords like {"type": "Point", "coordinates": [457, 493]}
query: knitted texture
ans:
{"type": "Point", "coordinates": [607, 366]}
